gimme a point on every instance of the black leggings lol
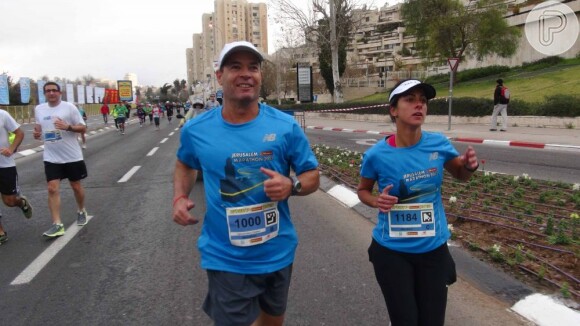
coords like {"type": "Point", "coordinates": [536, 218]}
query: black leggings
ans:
{"type": "Point", "coordinates": [414, 285]}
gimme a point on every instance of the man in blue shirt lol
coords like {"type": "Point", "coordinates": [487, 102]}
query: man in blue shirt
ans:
{"type": "Point", "coordinates": [245, 151]}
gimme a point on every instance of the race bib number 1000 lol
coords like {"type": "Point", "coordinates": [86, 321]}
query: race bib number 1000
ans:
{"type": "Point", "coordinates": [412, 220]}
{"type": "Point", "coordinates": [252, 225]}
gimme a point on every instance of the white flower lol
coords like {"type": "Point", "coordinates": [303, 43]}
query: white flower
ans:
{"type": "Point", "coordinates": [576, 186]}
{"type": "Point", "coordinates": [487, 173]}
{"type": "Point", "coordinates": [525, 176]}
{"type": "Point", "coordinates": [496, 248]}
{"type": "Point", "coordinates": [516, 178]}
{"type": "Point", "coordinates": [350, 165]}
{"type": "Point", "coordinates": [452, 199]}
{"type": "Point", "coordinates": [450, 227]}
{"type": "Point", "coordinates": [330, 160]}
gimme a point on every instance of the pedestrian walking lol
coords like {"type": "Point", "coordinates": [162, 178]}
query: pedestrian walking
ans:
{"type": "Point", "coordinates": [9, 187]}
{"type": "Point", "coordinates": [105, 112]}
{"type": "Point", "coordinates": [408, 250]}
{"type": "Point", "coordinates": [501, 98]}
{"type": "Point", "coordinates": [246, 151]}
{"type": "Point", "coordinates": [57, 124]}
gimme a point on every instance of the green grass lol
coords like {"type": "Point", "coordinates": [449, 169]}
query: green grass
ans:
{"type": "Point", "coordinates": [525, 84]}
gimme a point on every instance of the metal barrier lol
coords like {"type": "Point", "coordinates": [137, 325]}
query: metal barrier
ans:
{"type": "Point", "coordinates": [298, 116]}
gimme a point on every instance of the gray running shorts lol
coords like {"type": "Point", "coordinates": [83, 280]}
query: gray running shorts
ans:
{"type": "Point", "coordinates": [236, 299]}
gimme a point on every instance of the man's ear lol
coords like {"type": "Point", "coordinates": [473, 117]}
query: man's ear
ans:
{"type": "Point", "coordinates": [218, 76]}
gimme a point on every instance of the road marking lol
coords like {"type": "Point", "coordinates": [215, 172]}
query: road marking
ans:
{"type": "Point", "coordinates": [38, 264]}
{"type": "Point", "coordinates": [129, 174]}
{"type": "Point", "coordinates": [171, 133]}
{"type": "Point", "coordinates": [27, 152]}
{"type": "Point", "coordinates": [164, 140]}
{"type": "Point", "coordinates": [152, 151]}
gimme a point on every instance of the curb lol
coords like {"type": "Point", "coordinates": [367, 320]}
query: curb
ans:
{"type": "Point", "coordinates": [538, 308]}
{"type": "Point", "coordinates": [512, 143]}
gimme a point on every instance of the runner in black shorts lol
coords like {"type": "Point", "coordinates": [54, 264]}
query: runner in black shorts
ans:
{"type": "Point", "coordinates": [8, 175]}
{"type": "Point", "coordinates": [57, 124]}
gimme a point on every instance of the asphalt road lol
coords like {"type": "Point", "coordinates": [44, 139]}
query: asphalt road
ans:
{"type": "Point", "coordinates": [131, 265]}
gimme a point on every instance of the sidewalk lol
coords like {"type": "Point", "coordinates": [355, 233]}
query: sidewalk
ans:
{"type": "Point", "coordinates": [533, 137]}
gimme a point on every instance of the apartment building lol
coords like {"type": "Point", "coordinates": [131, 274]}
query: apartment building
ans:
{"type": "Point", "coordinates": [379, 46]}
{"type": "Point", "coordinates": [232, 20]}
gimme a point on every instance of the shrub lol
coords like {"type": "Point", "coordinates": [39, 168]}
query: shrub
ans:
{"type": "Point", "coordinates": [560, 106]}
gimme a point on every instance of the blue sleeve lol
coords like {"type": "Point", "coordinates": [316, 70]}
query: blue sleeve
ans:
{"type": "Point", "coordinates": [367, 169]}
{"type": "Point", "coordinates": [186, 151]}
{"type": "Point", "coordinates": [302, 158]}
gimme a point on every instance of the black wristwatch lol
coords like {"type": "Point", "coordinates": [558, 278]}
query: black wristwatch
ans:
{"type": "Point", "coordinates": [296, 186]}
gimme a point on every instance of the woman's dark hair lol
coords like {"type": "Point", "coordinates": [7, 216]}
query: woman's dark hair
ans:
{"type": "Point", "coordinates": [51, 83]}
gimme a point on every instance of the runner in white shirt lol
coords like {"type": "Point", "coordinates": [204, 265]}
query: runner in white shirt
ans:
{"type": "Point", "coordinates": [57, 124]}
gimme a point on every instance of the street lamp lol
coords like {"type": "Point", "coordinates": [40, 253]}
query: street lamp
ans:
{"type": "Point", "coordinates": [216, 48]}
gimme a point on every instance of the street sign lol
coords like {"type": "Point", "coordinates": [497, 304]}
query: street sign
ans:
{"type": "Point", "coordinates": [453, 63]}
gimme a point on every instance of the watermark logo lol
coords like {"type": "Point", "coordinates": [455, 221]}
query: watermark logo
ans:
{"type": "Point", "coordinates": [552, 28]}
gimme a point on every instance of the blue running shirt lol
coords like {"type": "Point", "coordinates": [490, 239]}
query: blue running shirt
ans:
{"type": "Point", "coordinates": [416, 174]}
{"type": "Point", "coordinates": [230, 156]}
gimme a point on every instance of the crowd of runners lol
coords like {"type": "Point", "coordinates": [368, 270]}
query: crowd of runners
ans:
{"type": "Point", "coordinates": [154, 112]}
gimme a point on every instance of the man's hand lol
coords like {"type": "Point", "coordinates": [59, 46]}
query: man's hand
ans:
{"type": "Point", "coordinates": [277, 187]}
{"type": "Point", "coordinates": [60, 124]}
{"type": "Point", "coordinates": [181, 213]}
{"type": "Point", "coordinates": [6, 151]}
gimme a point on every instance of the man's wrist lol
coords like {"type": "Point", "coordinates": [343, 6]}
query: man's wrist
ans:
{"type": "Point", "coordinates": [470, 169]}
{"type": "Point", "coordinates": [69, 128]}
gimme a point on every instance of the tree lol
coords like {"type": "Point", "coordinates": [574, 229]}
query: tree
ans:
{"type": "Point", "coordinates": [164, 92]}
{"type": "Point", "coordinates": [268, 79]}
{"type": "Point", "coordinates": [325, 57]}
{"type": "Point", "coordinates": [448, 29]}
{"type": "Point", "coordinates": [338, 10]}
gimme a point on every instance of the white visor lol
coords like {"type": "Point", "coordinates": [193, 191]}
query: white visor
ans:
{"type": "Point", "coordinates": [407, 85]}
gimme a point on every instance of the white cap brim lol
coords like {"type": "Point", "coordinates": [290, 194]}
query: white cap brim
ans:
{"type": "Point", "coordinates": [412, 83]}
{"type": "Point", "coordinates": [236, 47]}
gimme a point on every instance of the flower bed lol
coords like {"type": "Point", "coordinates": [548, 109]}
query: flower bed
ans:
{"type": "Point", "coordinates": [530, 228]}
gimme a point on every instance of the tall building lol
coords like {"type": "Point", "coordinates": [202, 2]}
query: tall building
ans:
{"type": "Point", "coordinates": [189, 63]}
{"type": "Point", "coordinates": [133, 78]}
{"type": "Point", "coordinates": [232, 20]}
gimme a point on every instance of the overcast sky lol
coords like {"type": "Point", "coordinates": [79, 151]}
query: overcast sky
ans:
{"type": "Point", "coordinates": [103, 38]}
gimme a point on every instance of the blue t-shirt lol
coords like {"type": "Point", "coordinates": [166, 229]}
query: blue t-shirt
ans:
{"type": "Point", "coordinates": [416, 174]}
{"type": "Point", "coordinates": [230, 156]}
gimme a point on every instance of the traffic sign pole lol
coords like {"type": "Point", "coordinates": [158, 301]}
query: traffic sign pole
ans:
{"type": "Point", "coordinates": [453, 65]}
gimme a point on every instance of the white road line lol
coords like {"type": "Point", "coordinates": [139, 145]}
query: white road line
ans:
{"type": "Point", "coordinates": [171, 133]}
{"type": "Point", "coordinates": [176, 128]}
{"type": "Point", "coordinates": [27, 152]}
{"type": "Point", "coordinates": [45, 257]}
{"type": "Point", "coordinates": [129, 174]}
{"type": "Point", "coordinates": [152, 151]}
{"type": "Point", "coordinates": [164, 140]}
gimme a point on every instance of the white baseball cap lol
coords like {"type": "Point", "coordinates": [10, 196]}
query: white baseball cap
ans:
{"type": "Point", "coordinates": [235, 47]}
{"type": "Point", "coordinates": [412, 83]}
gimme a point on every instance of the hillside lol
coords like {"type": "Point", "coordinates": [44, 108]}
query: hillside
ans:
{"type": "Point", "coordinates": [524, 84]}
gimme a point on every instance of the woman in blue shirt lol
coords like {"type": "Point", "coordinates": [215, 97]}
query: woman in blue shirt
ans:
{"type": "Point", "coordinates": [409, 251]}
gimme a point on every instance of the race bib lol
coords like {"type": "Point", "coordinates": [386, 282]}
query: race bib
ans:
{"type": "Point", "coordinates": [411, 220]}
{"type": "Point", "coordinates": [52, 136]}
{"type": "Point", "coordinates": [252, 225]}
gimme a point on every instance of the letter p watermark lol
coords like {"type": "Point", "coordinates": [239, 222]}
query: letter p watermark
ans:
{"type": "Point", "coordinates": [551, 28]}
